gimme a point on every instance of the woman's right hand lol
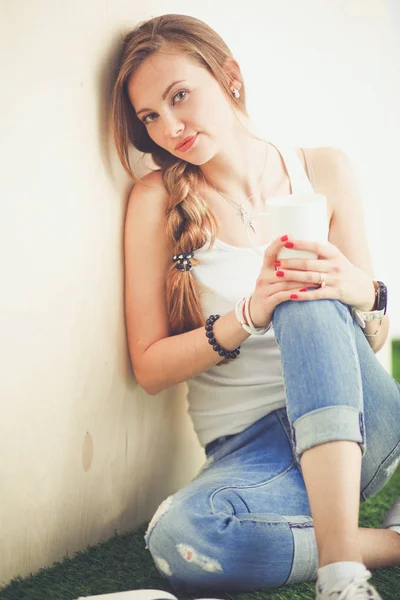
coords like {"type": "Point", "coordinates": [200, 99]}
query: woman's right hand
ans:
{"type": "Point", "coordinates": [270, 290]}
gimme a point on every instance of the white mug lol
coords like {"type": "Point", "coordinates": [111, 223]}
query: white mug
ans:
{"type": "Point", "coordinates": [300, 216]}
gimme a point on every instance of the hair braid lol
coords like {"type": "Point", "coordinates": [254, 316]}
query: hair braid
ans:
{"type": "Point", "coordinates": [187, 217]}
{"type": "Point", "coordinates": [187, 213]}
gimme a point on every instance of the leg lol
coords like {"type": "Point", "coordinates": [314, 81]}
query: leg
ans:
{"type": "Point", "coordinates": [338, 539]}
{"type": "Point", "coordinates": [320, 357]}
{"type": "Point", "coordinates": [331, 474]}
{"type": "Point", "coordinates": [379, 547]}
{"type": "Point", "coordinates": [243, 523]}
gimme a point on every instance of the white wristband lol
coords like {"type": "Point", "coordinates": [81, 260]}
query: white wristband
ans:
{"type": "Point", "coordinates": [249, 328]}
{"type": "Point", "coordinates": [362, 316]}
{"type": "Point", "coordinates": [238, 312]}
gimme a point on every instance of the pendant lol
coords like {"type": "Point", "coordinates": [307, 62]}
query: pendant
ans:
{"type": "Point", "coordinates": [245, 218]}
{"type": "Point", "coordinates": [252, 226]}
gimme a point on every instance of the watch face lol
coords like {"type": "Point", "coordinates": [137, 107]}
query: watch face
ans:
{"type": "Point", "coordinates": [381, 300]}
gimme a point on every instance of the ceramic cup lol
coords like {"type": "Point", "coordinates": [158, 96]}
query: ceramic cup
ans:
{"type": "Point", "coordinates": [300, 216]}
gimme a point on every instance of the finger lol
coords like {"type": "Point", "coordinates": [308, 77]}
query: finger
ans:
{"type": "Point", "coordinates": [272, 250]}
{"type": "Point", "coordinates": [295, 295]}
{"type": "Point", "coordinates": [325, 249]}
{"type": "Point", "coordinates": [269, 289]}
{"type": "Point", "coordinates": [305, 264]}
{"type": "Point", "coordinates": [308, 277]}
{"type": "Point", "coordinates": [276, 293]}
{"type": "Point", "coordinates": [319, 293]}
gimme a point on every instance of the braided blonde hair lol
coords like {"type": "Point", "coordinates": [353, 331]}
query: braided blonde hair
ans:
{"type": "Point", "coordinates": [188, 215]}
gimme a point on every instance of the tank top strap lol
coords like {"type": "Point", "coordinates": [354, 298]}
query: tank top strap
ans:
{"type": "Point", "coordinates": [299, 181]}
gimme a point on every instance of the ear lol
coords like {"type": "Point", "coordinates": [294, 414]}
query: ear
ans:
{"type": "Point", "coordinates": [232, 71]}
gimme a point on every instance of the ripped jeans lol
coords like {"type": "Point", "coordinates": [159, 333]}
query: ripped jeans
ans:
{"type": "Point", "coordinates": [244, 522]}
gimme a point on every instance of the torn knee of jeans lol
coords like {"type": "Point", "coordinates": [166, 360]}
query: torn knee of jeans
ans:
{"type": "Point", "coordinates": [191, 555]}
{"type": "Point", "coordinates": [161, 510]}
{"type": "Point", "coordinates": [163, 565]}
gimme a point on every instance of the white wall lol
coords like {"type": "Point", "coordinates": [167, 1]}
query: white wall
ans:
{"type": "Point", "coordinates": [84, 449]}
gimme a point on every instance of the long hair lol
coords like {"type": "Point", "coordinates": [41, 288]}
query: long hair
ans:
{"type": "Point", "coordinates": [188, 215]}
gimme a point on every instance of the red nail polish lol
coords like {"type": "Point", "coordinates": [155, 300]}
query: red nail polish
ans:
{"type": "Point", "coordinates": [294, 296]}
{"type": "Point", "coordinates": [303, 290]}
{"type": "Point", "coordinates": [280, 273]}
{"type": "Point", "coordinates": [277, 263]}
{"type": "Point", "coordinates": [284, 238]}
{"type": "Point", "coordinates": [289, 245]}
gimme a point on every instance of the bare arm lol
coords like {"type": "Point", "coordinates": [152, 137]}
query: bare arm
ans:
{"type": "Point", "coordinates": [180, 357]}
{"type": "Point", "coordinates": [160, 360]}
{"type": "Point", "coordinates": [335, 177]}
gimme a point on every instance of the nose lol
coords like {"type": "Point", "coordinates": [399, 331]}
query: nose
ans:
{"type": "Point", "coordinates": [173, 127]}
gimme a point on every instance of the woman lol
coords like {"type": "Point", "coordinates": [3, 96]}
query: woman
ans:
{"type": "Point", "coordinates": [299, 420]}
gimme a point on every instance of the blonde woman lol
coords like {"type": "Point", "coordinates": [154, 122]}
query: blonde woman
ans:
{"type": "Point", "coordinates": [299, 420]}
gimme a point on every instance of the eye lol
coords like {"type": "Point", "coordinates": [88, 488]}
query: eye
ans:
{"type": "Point", "coordinates": [146, 117]}
{"type": "Point", "coordinates": [145, 121]}
{"type": "Point", "coordinates": [181, 92]}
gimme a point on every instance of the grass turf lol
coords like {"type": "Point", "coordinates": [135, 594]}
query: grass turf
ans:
{"type": "Point", "coordinates": [122, 562]}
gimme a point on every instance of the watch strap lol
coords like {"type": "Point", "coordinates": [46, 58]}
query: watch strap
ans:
{"type": "Point", "coordinates": [380, 296]}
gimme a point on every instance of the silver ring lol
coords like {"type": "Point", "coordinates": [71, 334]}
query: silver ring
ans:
{"type": "Point", "coordinates": [322, 280]}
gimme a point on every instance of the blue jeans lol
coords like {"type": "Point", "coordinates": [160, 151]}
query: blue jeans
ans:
{"type": "Point", "coordinates": [244, 522]}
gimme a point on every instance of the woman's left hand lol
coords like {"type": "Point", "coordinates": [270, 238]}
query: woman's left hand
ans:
{"type": "Point", "coordinates": [343, 281]}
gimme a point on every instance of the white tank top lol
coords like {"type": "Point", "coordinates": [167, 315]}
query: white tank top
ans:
{"type": "Point", "coordinates": [226, 399]}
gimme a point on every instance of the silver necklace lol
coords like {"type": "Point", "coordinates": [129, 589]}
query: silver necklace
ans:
{"type": "Point", "coordinates": [242, 213]}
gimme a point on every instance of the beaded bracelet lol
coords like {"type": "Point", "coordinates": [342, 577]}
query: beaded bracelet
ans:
{"type": "Point", "coordinates": [213, 342]}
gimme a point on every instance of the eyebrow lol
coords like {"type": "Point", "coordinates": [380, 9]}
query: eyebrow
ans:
{"type": "Point", "coordinates": [165, 94]}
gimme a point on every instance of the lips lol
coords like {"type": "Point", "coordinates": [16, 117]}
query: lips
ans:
{"type": "Point", "coordinates": [186, 143]}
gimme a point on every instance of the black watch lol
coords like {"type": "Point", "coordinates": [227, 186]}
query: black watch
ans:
{"type": "Point", "coordinates": [380, 296]}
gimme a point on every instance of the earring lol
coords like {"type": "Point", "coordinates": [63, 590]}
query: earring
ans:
{"type": "Point", "coordinates": [236, 93]}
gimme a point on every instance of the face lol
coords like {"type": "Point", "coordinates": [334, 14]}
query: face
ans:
{"type": "Point", "coordinates": [196, 106]}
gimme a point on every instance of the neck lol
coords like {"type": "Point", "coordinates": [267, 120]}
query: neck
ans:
{"type": "Point", "coordinates": [239, 169]}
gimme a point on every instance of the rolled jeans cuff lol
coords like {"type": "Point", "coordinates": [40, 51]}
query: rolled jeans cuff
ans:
{"type": "Point", "coordinates": [328, 424]}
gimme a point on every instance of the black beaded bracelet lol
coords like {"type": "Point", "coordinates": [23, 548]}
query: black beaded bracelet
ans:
{"type": "Point", "coordinates": [212, 341]}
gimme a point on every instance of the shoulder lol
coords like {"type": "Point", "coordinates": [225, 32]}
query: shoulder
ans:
{"type": "Point", "coordinates": [150, 184]}
{"type": "Point", "coordinates": [332, 174]}
{"type": "Point", "coordinates": [326, 165]}
{"type": "Point", "coordinates": [147, 204]}
{"type": "Point", "coordinates": [148, 197]}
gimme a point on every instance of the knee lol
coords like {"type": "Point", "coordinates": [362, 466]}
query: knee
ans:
{"type": "Point", "coordinates": [180, 540]}
{"type": "Point", "coordinates": [198, 550]}
{"type": "Point", "coordinates": [310, 314]}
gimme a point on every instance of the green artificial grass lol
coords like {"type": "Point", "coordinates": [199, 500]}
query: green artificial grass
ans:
{"type": "Point", "coordinates": [122, 562]}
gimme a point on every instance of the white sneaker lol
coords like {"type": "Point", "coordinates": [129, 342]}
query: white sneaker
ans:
{"type": "Point", "coordinates": [393, 515]}
{"type": "Point", "coordinates": [357, 589]}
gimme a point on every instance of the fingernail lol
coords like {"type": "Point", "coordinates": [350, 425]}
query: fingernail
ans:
{"type": "Point", "coordinates": [294, 296]}
{"type": "Point", "coordinates": [280, 273]}
{"type": "Point", "coordinates": [277, 263]}
{"type": "Point", "coordinates": [289, 245]}
{"type": "Point", "coordinates": [303, 290]}
{"type": "Point", "coordinates": [284, 238]}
